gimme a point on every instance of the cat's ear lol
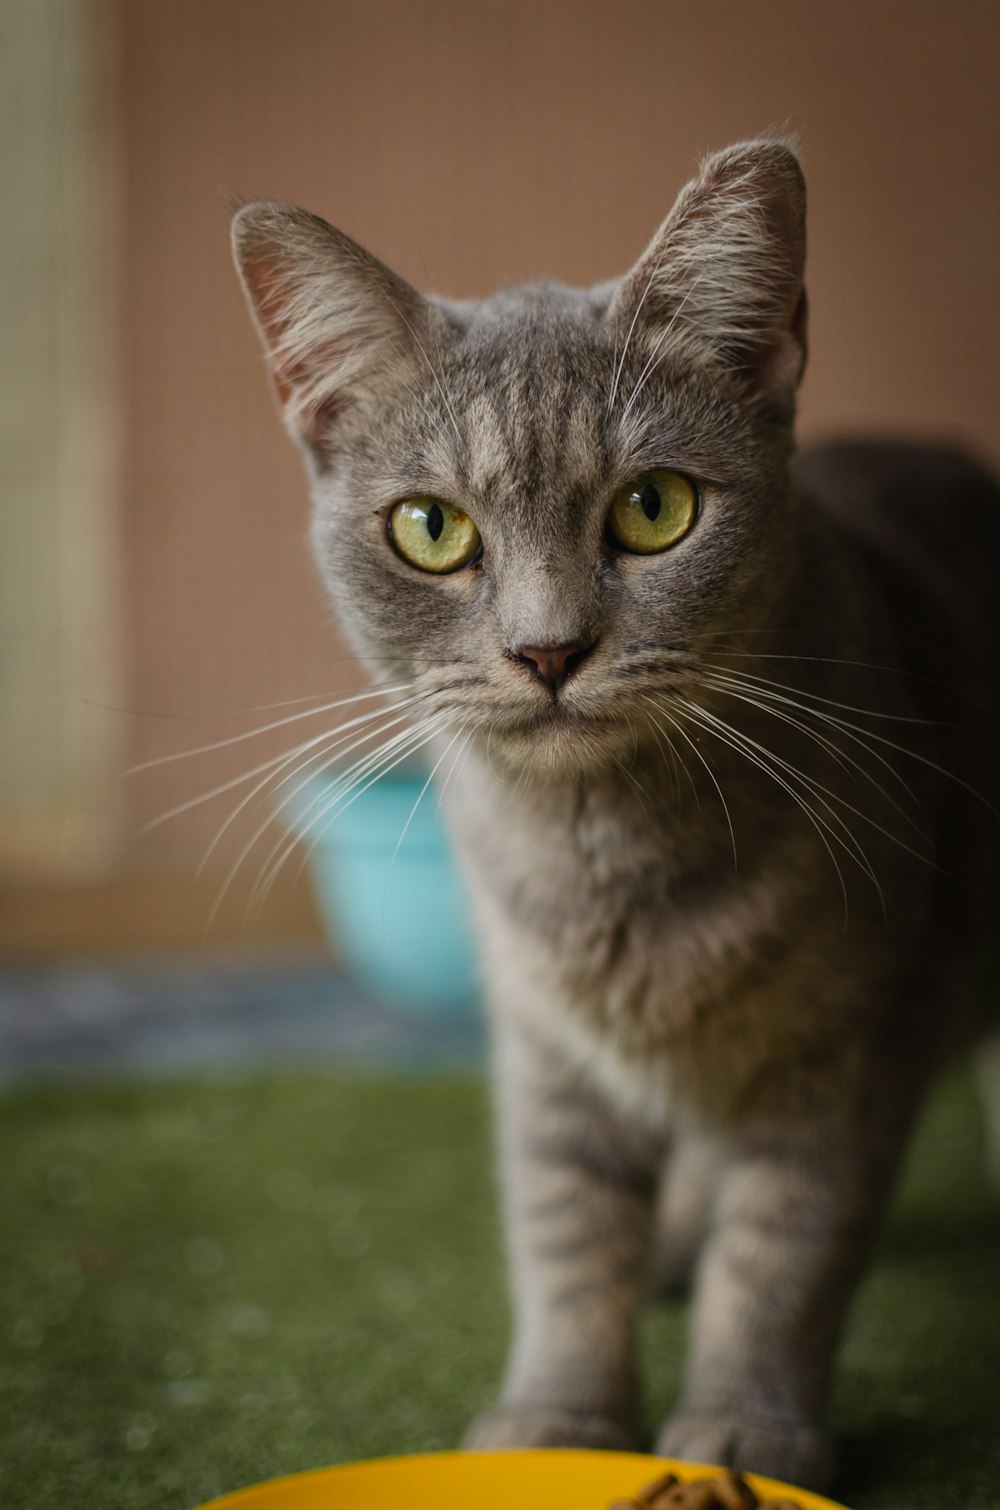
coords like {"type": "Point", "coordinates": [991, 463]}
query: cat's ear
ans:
{"type": "Point", "coordinates": [336, 323]}
{"type": "Point", "coordinates": [721, 281]}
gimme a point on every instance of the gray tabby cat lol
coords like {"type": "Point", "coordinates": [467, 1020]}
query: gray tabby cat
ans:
{"type": "Point", "coordinates": [711, 725]}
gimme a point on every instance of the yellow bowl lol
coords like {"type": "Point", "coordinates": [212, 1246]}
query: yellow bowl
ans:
{"type": "Point", "coordinates": [551, 1479]}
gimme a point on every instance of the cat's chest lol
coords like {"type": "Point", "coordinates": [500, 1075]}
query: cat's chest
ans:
{"type": "Point", "coordinates": [628, 923]}
{"type": "Point", "coordinates": [627, 940]}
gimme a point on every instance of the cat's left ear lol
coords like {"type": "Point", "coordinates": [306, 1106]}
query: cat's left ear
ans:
{"type": "Point", "coordinates": [337, 325]}
{"type": "Point", "coordinates": [721, 284]}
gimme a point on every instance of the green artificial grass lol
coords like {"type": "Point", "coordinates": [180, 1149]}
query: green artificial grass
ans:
{"type": "Point", "coordinates": [204, 1285]}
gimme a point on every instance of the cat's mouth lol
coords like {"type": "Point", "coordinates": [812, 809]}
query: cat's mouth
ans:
{"type": "Point", "coordinates": [562, 740]}
{"type": "Point", "coordinates": [559, 716]}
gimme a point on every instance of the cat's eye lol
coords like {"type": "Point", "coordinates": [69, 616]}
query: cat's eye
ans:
{"type": "Point", "coordinates": [433, 535]}
{"type": "Point", "coordinates": [652, 513]}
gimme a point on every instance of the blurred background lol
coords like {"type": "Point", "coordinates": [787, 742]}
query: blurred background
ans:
{"type": "Point", "coordinates": [225, 1254]}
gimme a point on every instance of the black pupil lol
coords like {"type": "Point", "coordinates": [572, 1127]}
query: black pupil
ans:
{"type": "Point", "coordinates": [650, 500]}
{"type": "Point", "coordinates": [435, 521]}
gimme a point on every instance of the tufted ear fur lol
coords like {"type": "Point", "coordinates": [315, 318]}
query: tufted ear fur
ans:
{"type": "Point", "coordinates": [335, 322]}
{"type": "Point", "coordinates": [722, 277]}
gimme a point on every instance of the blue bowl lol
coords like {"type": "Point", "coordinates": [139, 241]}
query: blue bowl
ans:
{"type": "Point", "coordinates": [391, 898]}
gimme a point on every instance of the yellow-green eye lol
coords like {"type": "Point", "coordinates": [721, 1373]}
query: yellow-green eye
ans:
{"type": "Point", "coordinates": [652, 513]}
{"type": "Point", "coordinates": [433, 535]}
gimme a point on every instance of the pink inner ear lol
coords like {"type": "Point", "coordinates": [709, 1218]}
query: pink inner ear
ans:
{"type": "Point", "coordinates": [330, 315]}
{"type": "Point", "coordinates": [266, 279]}
{"type": "Point", "coordinates": [263, 276]}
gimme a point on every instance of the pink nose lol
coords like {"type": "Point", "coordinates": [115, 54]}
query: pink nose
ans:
{"type": "Point", "coordinates": [552, 664]}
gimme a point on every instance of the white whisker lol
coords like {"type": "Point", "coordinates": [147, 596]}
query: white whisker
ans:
{"type": "Point", "coordinates": [728, 688]}
{"type": "Point", "coordinates": [725, 806]}
{"type": "Point", "coordinates": [653, 360]}
{"type": "Point", "coordinates": [430, 368]}
{"type": "Point", "coordinates": [420, 795]}
{"type": "Point", "coordinates": [458, 762]}
{"type": "Point", "coordinates": [258, 833]}
{"type": "Point", "coordinates": [830, 702]}
{"type": "Point", "coordinates": [265, 765]}
{"type": "Point", "coordinates": [321, 802]}
{"type": "Point", "coordinates": [621, 362]}
{"type": "Point", "coordinates": [869, 734]}
{"type": "Point", "coordinates": [823, 794]}
{"type": "Point", "coordinates": [629, 776]}
{"type": "Point", "coordinates": [395, 715]}
{"type": "Point", "coordinates": [673, 762]}
{"type": "Point", "coordinates": [813, 818]}
{"type": "Point", "coordinates": [278, 723]}
{"type": "Point", "coordinates": [330, 806]}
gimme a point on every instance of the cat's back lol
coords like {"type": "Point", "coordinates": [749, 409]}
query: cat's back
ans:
{"type": "Point", "coordinates": [926, 520]}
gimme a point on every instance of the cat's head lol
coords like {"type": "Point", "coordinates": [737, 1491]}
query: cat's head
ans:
{"type": "Point", "coordinates": [537, 508]}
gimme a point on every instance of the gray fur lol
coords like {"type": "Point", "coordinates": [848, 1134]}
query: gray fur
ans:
{"type": "Point", "coordinates": [749, 1034]}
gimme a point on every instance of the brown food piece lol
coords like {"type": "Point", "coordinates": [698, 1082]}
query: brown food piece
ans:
{"type": "Point", "coordinates": [730, 1491]}
{"type": "Point", "coordinates": [697, 1494]}
{"type": "Point", "coordinates": [734, 1493]}
{"type": "Point", "coordinates": [649, 1496]}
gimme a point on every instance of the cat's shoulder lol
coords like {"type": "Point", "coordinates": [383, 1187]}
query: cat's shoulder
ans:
{"type": "Point", "coordinates": [859, 476]}
{"type": "Point", "coordinates": [925, 520]}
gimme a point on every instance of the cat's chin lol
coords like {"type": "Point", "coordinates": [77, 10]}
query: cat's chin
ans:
{"type": "Point", "coordinates": [554, 750]}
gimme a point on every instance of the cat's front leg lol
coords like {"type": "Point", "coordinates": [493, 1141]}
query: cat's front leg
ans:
{"type": "Point", "coordinates": [684, 1209]}
{"type": "Point", "coordinates": [578, 1187]}
{"type": "Point", "coordinates": [793, 1230]}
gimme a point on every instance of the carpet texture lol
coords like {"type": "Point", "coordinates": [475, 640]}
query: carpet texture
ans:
{"type": "Point", "coordinates": [204, 1285]}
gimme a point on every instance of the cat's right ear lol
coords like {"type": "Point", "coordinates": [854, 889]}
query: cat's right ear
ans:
{"type": "Point", "coordinates": [335, 322]}
{"type": "Point", "coordinates": [721, 283]}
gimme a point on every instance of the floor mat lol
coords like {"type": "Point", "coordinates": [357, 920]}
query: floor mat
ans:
{"type": "Point", "coordinates": [207, 1283]}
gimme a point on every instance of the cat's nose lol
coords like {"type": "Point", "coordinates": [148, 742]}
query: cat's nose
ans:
{"type": "Point", "coordinates": [552, 664]}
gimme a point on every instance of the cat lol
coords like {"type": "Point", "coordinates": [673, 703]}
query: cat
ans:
{"type": "Point", "coordinates": [714, 725]}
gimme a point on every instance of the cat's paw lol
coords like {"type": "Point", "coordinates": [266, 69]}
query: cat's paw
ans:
{"type": "Point", "coordinates": [546, 1426]}
{"type": "Point", "coordinates": [798, 1454]}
